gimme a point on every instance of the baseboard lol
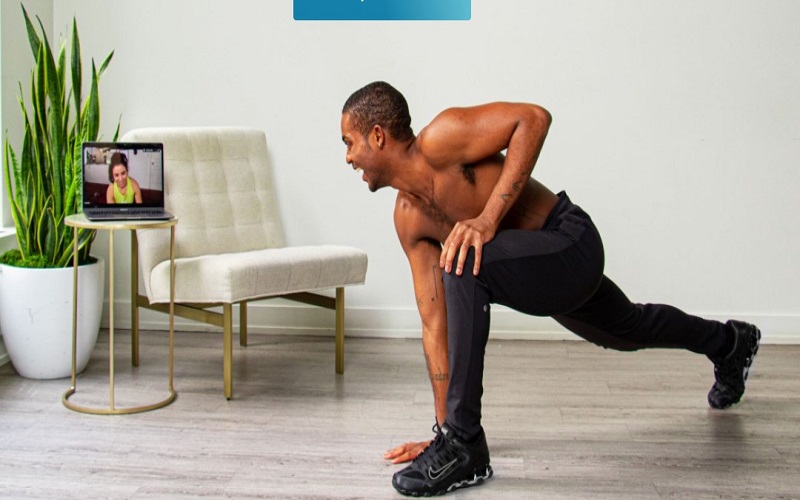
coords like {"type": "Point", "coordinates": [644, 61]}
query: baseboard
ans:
{"type": "Point", "coordinates": [284, 317]}
{"type": "Point", "coordinates": [279, 317]}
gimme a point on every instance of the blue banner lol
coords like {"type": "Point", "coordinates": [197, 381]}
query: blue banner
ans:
{"type": "Point", "coordinates": [382, 10]}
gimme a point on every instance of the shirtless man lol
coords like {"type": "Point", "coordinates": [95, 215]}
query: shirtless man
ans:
{"type": "Point", "coordinates": [478, 229]}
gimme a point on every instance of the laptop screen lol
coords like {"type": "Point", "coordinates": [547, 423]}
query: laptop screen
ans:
{"type": "Point", "coordinates": [117, 173]}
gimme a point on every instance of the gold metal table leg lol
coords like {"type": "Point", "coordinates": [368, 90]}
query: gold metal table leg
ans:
{"type": "Point", "coordinates": [111, 320]}
{"type": "Point", "coordinates": [71, 389]}
{"type": "Point", "coordinates": [112, 409]}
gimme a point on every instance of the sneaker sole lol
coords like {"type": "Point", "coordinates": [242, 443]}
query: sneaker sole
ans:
{"type": "Point", "coordinates": [479, 476]}
{"type": "Point", "coordinates": [753, 352]}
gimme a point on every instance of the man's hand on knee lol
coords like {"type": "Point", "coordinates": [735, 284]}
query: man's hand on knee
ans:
{"type": "Point", "coordinates": [466, 234]}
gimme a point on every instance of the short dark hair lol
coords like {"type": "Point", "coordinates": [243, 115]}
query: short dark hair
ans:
{"type": "Point", "coordinates": [116, 159]}
{"type": "Point", "coordinates": [378, 103]}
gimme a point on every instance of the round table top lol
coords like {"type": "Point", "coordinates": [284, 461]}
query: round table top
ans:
{"type": "Point", "coordinates": [80, 220]}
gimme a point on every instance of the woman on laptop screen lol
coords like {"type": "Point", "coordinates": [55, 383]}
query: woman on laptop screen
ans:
{"type": "Point", "coordinates": [123, 189]}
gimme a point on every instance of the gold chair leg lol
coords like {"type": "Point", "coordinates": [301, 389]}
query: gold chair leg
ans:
{"type": "Point", "coordinates": [227, 349]}
{"type": "Point", "coordinates": [340, 330]}
{"type": "Point", "coordinates": [243, 324]}
{"type": "Point", "coordinates": [134, 299]}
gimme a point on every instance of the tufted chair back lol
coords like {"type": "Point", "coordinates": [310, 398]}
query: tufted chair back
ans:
{"type": "Point", "coordinates": [218, 183]}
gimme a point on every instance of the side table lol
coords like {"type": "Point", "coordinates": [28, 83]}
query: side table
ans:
{"type": "Point", "coordinates": [79, 221]}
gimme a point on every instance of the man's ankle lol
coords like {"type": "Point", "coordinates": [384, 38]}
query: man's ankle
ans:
{"type": "Point", "coordinates": [467, 437]}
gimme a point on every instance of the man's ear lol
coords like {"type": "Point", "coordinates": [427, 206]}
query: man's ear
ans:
{"type": "Point", "coordinates": [379, 136]}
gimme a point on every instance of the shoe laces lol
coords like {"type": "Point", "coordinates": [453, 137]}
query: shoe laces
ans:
{"type": "Point", "coordinates": [437, 453]}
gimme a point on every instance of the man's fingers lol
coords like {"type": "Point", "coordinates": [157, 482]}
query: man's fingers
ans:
{"type": "Point", "coordinates": [462, 256]}
{"type": "Point", "coordinates": [478, 254]}
{"type": "Point", "coordinates": [448, 253]}
{"type": "Point", "coordinates": [405, 452]}
{"type": "Point", "coordinates": [405, 457]}
{"type": "Point", "coordinates": [461, 238]}
{"type": "Point", "coordinates": [395, 452]}
{"type": "Point", "coordinates": [451, 254]}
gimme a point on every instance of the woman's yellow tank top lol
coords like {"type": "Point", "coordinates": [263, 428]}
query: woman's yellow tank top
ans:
{"type": "Point", "coordinates": [124, 198]}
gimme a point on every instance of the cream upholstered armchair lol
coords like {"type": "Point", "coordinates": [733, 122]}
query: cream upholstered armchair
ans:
{"type": "Point", "coordinates": [229, 243]}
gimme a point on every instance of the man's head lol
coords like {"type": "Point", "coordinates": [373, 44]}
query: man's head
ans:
{"type": "Point", "coordinates": [373, 118]}
{"type": "Point", "coordinates": [380, 104]}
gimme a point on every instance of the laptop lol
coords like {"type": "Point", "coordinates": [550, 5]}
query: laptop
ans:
{"type": "Point", "coordinates": [123, 181]}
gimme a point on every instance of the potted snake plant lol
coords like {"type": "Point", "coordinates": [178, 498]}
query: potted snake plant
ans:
{"type": "Point", "coordinates": [43, 183]}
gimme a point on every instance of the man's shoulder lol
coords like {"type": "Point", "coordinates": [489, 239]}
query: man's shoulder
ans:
{"type": "Point", "coordinates": [435, 140]}
{"type": "Point", "coordinates": [406, 208]}
{"type": "Point", "coordinates": [412, 221]}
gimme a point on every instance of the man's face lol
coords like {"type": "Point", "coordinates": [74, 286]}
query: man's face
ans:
{"type": "Point", "coordinates": [360, 155]}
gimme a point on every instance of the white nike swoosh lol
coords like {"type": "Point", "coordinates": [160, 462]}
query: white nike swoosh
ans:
{"type": "Point", "coordinates": [436, 474]}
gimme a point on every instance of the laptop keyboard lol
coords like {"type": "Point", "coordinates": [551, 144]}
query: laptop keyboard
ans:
{"type": "Point", "coordinates": [131, 213]}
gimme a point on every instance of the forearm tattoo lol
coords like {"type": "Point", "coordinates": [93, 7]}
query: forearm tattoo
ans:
{"type": "Point", "coordinates": [437, 375]}
{"type": "Point", "coordinates": [516, 187]}
{"type": "Point", "coordinates": [434, 272]}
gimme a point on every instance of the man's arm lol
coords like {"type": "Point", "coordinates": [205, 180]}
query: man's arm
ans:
{"type": "Point", "coordinates": [429, 292]}
{"type": "Point", "coordinates": [423, 257]}
{"type": "Point", "coordinates": [467, 135]}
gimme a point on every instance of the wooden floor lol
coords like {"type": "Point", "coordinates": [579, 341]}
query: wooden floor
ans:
{"type": "Point", "coordinates": [563, 420]}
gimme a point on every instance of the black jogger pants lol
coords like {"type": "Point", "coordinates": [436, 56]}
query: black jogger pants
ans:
{"type": "Point", "coordinates": [555, 271]}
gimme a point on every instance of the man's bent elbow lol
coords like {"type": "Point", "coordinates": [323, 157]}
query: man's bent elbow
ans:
{"type": "Point", "coordinates": [541, 115]}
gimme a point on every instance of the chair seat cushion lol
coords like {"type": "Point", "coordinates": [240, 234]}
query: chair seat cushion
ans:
{"type": "Point", "coordinates": [233, 277]}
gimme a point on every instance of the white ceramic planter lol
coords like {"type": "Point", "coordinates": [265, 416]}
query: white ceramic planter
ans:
{"type": "Point", "coordinates": [36, 317]}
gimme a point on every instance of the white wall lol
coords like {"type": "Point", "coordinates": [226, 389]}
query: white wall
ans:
{"type": "Point", "coordinates": [675, 126]}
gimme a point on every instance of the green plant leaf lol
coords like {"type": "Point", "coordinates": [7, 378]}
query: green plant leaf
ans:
{"type": "Point", "coordinates": [39, 100]}
{"type": "Point", "coordinates": [47, 230]}
{"type": "Point", "coordinates": [10, 163]}
{"type": "Point", "coordinates": [105, 64]}
{"type": "Point", "coordinates": [93, 108]}
{"type": "Point", "coordinates": [116, 132]}
{"type": "Point", "coordinates": [56, 132]}
{"type": "Point", "coordinates": [77, 72]}
{"type": "Point", "coordinates": [33, 37]}
{"type": "Point", "coordinates": [61, 70]}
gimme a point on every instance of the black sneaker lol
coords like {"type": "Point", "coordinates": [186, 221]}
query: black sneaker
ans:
{"type": "Point", "coordinates": [731, 372]}
{"type": "Point", "coordinates": [446, 464]}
